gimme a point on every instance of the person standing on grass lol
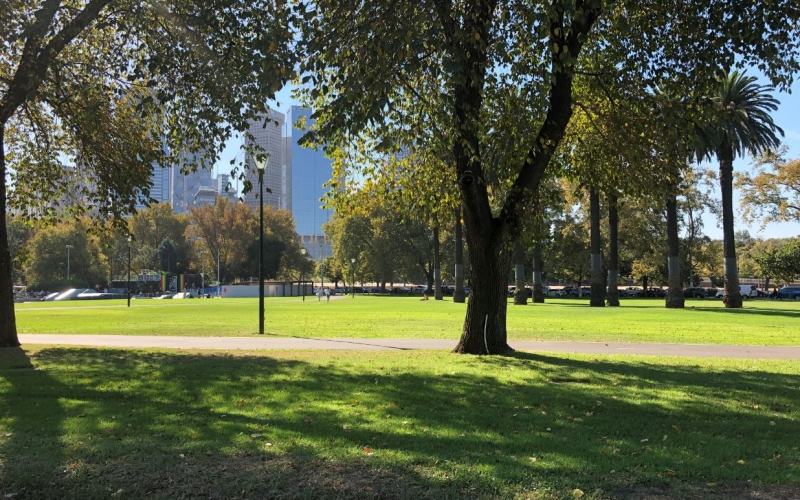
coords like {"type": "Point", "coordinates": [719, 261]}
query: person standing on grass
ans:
{"type": "Point", "coordinates": [327, 294]}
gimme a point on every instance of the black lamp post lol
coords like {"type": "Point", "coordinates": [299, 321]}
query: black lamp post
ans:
{"type": "Point", "coordinates": [302, 285]}
{"type": "Point", "coordinates": [129, 271]}
{"type": "Point", "coordinates": [353, 274]}
{"type": "Point", "coordinates": [261, 165]}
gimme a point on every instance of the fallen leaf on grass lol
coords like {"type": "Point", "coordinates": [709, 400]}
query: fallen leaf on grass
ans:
{"type": "Point", "coordinates": [367, 450]}
{"type": "Point", "coordinates": [711, 485]}
{"type": "Point", "coordinates": [577, 493]}
{"type": "Point", "coordinates": [255, 436]}
{"type": "Point", "coordinates": [117, 493]}
{"type": "Point", "coordinates": [671, 473]}
{"type": "Point", "coordinates": [676, 427]}
{"type": "Point", "coordinates": [741, 462]}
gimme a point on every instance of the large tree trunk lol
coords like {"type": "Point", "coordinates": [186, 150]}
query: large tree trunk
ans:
{"type": "Point", "coordinates": [437, 270]}
{"type": "Point", "coordinates": [612, 299]}
{"type": "Point", "coordinates": [538, 290]}
{"type": "Point", "coordinates": [732, 297]}
{"type": "Point", "coordinates": [8, 323]}
{"type": "Point", "coordinates": [520, 293]}
{"type": "Point", "coordinates": [675, 298]}
{"type": "Point", "coordinates": [485, 325]}
{"type": "Point", "coordinates": [459, 295]}
{"type": "Point", "coordinates": [596, 281]}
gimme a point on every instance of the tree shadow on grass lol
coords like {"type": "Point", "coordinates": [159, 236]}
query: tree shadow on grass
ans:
{"type": "Point", "coordinates": [748, 311]}
{"type": "Point", "coordinates": [86, 423]}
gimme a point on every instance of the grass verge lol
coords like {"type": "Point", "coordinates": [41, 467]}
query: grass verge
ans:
{"type": "Point", "coordinates": [95, 423]}
{"type": "Point", "coordinates": [760, 322]}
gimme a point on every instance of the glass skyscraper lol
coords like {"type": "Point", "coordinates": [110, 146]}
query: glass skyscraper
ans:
{"type": "Point", "coordinates": [305, 174]}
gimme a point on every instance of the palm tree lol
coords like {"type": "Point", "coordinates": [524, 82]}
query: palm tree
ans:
{"type": "Point", "coordinates": [741, 124]}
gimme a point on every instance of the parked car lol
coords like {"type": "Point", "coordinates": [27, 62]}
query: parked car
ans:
{"type": "Point", "coordinates": [789, 292]}
{"type": "Point", "coordinates": [695, 292]}
{"type": "Point", "coordinates": [657, 292]}
{"type": "Point", "coordinates": [631, 291]}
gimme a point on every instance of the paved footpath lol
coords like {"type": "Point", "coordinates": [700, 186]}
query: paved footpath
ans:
{"type": "Point", "coordinates": [281, 342]}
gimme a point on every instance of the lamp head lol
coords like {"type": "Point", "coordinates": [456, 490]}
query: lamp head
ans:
{"type": "Point", "coordinates": [262, 160]}
{"type": "Point", "coordinates": [303, 251]}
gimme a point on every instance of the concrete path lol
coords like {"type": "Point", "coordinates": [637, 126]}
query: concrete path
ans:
{"type": "Point", "coordinates": [278, 342]}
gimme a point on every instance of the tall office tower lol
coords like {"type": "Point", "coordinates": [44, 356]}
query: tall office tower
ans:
{"type": "Point", "coordinates": [268, 135]}
{"type": "Point", "coordinates": [162, 184]}
{"type": "Point", "coordinates": [306, 173]}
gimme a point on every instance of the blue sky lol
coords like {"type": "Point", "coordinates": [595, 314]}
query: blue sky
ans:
{"type": "Point", "coordinates": [787, 117]}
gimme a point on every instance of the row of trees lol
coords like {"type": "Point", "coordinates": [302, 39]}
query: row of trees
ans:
{"type": "Point", "coordinates": [212, 238]}
{"type": "Point", "coordinates": [391, 246]}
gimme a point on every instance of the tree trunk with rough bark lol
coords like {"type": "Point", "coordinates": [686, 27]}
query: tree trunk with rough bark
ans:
{"type": "Point", "coordinates": [732, 297]}
{"type": "Point", "coordinates": [538, 290]}
{"type": "Point", "coordinates": [596, 281]}
{"type": "Point", "coordinates": [459, 295]}
{"type": "Point", "coordinates": [437, 270]}
{"type": "Point", "coordinates": [8, 324]}
{"type": "Point", "coordinates": [520, 293]}
{"type": "Point", "coordinates": [485, 325]}
{"type": "Point", "coordinates": [675, 299]}
{"type": "Point", "coordinates": [612, 298]}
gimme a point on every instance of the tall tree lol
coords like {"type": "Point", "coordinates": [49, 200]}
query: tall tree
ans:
{"type": "Point", "coordinates": [612, 296]}
{"type": "Point", "coordinates": [741, 124]}
{"type": "Point", "coordinates": [596, 281]}
{"type": "Point", "coordinates": [483, 74]}
{"type": "Point", "coordinates": [89, 88]}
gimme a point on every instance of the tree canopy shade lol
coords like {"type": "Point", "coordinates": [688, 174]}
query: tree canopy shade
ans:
{"type": "Point", "coordinates": [94, 92]}
{"type": "Point", "coordinates": [486, 73]}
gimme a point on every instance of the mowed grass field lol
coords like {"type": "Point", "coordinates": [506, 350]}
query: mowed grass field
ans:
{"type": "Point", "coordinates": [109, 423]}
{"type": "Point", "coordinates": [760, 322]}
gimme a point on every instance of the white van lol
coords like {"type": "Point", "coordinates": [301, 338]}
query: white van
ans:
{"type": "Point", "coordinates": [747, 291]}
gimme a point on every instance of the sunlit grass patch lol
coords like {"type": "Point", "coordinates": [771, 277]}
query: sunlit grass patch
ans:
{"type": "Point", "coordinates": [312, 424]}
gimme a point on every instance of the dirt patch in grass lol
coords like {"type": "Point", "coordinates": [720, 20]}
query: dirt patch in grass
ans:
{"type": "Point", "coordinates": [252, 477]}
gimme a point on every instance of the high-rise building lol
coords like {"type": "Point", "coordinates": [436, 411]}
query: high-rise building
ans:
{"type": "Point", "coordinates": [162, 184]}
{"type": "Point", "coordinates": [306, 173]}
{"type": "Point", "coordinates": [267, 133]}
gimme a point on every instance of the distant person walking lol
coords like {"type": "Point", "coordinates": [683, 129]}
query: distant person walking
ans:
{"type": "Point", "coordinates": [328, 294]}
{"type": "Point", "coordinates": [319, 294]}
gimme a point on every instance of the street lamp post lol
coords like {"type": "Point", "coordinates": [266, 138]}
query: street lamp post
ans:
{"type": "Point", "coordinates": [68, 249]}
{"type": "Point", "coordinates": [219, 282]}
{"type": "Point", "coordinates": [353, 274]}
{"type": "Point", "coordinates": [261, 165]}
{"type": "Point", "coordinates": [302, 285]}
{"type": "Point", "coordinates": [129, 271]}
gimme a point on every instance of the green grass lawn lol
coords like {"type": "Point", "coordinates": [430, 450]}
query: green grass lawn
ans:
{"type": "Point", "coordinates": [102, 423]}
{"type": "Point", "coordinates": [761, 322]}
